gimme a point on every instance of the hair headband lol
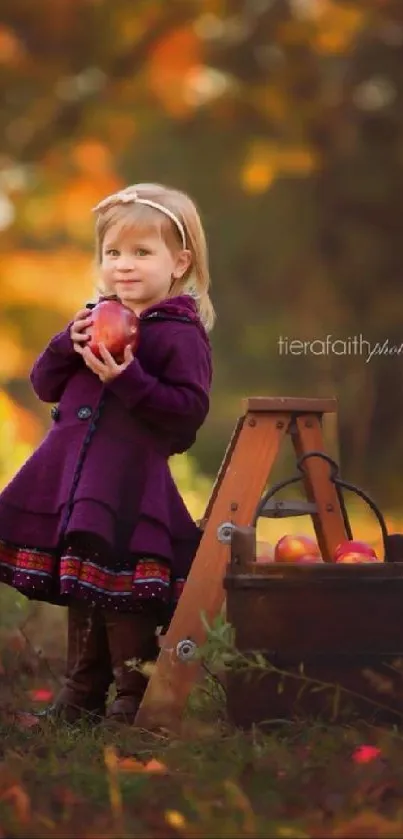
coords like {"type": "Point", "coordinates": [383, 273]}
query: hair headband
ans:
{"type": "Point", "coordinates": [132, 197]}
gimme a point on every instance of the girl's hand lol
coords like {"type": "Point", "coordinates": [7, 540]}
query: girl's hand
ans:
{"type": "Point", "coordinates": [82, 320]}
{"type": "Point", "coordinates": [107, 369]}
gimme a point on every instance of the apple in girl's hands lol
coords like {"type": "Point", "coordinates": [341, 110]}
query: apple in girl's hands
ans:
{"type": "Point", "coordinates": [114, 326]}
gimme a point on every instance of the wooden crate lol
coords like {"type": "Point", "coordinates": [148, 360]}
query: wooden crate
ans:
{"type": "Point", "coordinates": [332, 636]}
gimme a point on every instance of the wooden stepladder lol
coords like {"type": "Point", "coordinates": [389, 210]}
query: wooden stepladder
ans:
{"type": "Point", "coordinates": [240, 482]}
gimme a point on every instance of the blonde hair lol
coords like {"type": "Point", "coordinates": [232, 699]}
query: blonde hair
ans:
{"type": "Point", "coordinates": [122, 209]}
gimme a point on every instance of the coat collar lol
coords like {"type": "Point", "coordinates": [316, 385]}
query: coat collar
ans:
{"type": "Point", "coordinates": [182, 307]}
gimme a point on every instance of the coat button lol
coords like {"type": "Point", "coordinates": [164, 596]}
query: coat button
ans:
{"type": "Point", "coordinates": [84, 413]}
{"type": "Point", "coordinates": [55, 413]}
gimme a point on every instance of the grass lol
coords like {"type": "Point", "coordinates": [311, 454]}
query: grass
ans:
{"type": "Point", "coordinates": [295, 779]}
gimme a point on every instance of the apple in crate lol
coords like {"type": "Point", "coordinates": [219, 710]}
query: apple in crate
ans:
{"type": "Point", "coordinates": [355, 558]}
{"type": "Point", "coordinates": [297, 549]}
{"type": "Point", "coordinates": [115, 326]}
{"type": "Point", "coordinates": [353, 546]}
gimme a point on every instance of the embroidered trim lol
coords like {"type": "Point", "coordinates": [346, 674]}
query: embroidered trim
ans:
{"type": "Point", "coordinates": [28, 559]}
{"type": "Point", "coordinates": [114, 582]}
{"type": "Point", "coordinates": [39, 572]}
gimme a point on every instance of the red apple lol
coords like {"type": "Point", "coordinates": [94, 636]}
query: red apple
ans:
{"type": "Point", "coordinates": [115, 326]}
{"type": "Point", "coordinates": [291, 548]}
{"type": "Point", "coordinates": [353, 557]}
{"type": "Point", "coordinates": [354, 545]}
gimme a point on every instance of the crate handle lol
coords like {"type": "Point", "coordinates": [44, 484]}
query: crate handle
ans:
{"type": "Point", "coordinates": [339, 484]}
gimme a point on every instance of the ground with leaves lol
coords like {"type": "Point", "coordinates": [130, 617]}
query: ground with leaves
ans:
{"type": "Point", "coordinates": [292, 780]}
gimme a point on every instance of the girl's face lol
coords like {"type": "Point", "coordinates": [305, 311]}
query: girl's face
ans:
{"type": "Point", "coordinates": [139, 267]}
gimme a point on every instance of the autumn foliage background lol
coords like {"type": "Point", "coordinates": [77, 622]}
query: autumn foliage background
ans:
{"type": "Point", "coordinates": [283, 118]}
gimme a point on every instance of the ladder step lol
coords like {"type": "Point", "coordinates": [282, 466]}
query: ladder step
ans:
{"type": "Point", "coordinates": [284, 509]}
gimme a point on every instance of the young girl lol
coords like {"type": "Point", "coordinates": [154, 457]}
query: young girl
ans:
{"type": "Point", "coordinates": [94, 520]}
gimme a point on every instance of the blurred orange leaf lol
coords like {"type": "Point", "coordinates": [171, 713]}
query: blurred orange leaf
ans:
{"type": "Point", "coordinates": [260, 167]}
{"type": "Point", "coordinates": [175, 819]}
{"type": "Point", "coordinates": [21, 801]}
{"type": "Point", "coordinates": [92, 157]}
{"type": "Point", "coordinates": [155, 766]}
{"type": "Point", "coordinates": [266, 161]}
{"type": "Point", "coordinates": [169, 64]}
{"type": "Point", "coordinates": [32, 276]}
{"type": "Point", "coordinates": [14, 357]}
{"type": "Point", "coordinates": [25, 426]}
{"type": "Point", "coordinates": [337, 26]}
{"type": "Point", "coordinates": [131, 764]}
{"type": "Point", "coordinates": [74, 205]}
{"type": "Point", "coordinates": [11, 49]}
{"type": "Point", "coordinates": [297, 161]}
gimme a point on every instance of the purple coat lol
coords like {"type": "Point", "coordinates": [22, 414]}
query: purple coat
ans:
{"type": "Point", "coordinates": [103, 465]}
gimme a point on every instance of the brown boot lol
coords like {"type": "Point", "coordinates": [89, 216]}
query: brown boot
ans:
{"type": "Point", "coordinates": [130, 636]}
{"type": "Point", "coordinates": [89, 670]}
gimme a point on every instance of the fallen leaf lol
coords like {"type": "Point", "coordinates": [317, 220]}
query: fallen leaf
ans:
{"type": "Point", "coordinates": [175, 819]}
{"type": "Point", "coordinates": [21, 801]}
{"type": "Point", "coordinates": [41, 695]}
{"type": "Point", "coordinates": [131, 764]}
{"type": "Point", "coordinates": [155, 766]}
{"type": "Point", "coordinates": [364, 754]}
